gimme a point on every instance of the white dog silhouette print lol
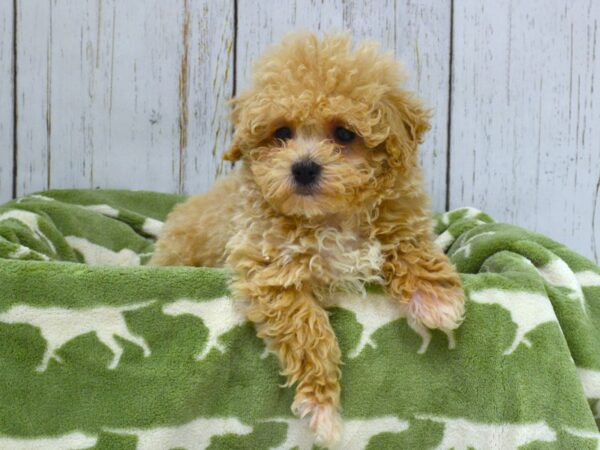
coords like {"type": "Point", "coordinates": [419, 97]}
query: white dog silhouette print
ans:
{"type": "Point", "coordinates": [30, 220]}
{"type": "Point", "coordinates": [60, 325]}
{"type": "Point", "coordinates": [97, 255]}
{"type": "Point", "coordinates": [528, 310]}
{"type": "Point", "coordinates": [587, 278]}
{"type": "Point", "coordinates": [590, 380]}
{"type": "Point", "coordinates": [463, 434]}
{"type": "Point", "coordinates": [356, 434]}
{"type": "Point", "coordinates": [298, 434]}
{"type": "Point", "coordinates": [195, 435]}
{"type": "Point", "coordinates": [71, 441]}
{"type": "Point", "coordinates": [219, 315]}
{"type": "Point", "coordinates": [466, 246]}
{"type": "Point", "coordinates": [559, 274]}
{"type": "Point", "coordinates": [584, 434]}
{"type": "Point", "coordinates": [376, 311]}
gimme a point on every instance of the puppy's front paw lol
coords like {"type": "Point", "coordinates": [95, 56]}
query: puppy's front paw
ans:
{"type": "Point", "coordinates": [325, 421]}
{"type": "Point", "coordinates": [437, 306]}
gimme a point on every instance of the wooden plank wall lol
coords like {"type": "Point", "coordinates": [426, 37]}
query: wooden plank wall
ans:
{"type": "Point", "coordinates": [133, 94]}
{"type": "Point", "coordinates": [6, 100]}
{"type": "Point", "coordinates": [128, 94]}
{"type": "Point", "coordinates": [525, 119]}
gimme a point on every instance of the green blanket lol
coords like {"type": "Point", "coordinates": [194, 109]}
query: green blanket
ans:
{"type": "Point", "coordinates": [98, 356]}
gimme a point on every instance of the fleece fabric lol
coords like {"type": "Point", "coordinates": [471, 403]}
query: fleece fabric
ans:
{"type": "Point", "coordinates": [99, 351]}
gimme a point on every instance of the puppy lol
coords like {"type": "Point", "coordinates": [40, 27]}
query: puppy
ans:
{"type": "Point", "coordinates": [328, 196]}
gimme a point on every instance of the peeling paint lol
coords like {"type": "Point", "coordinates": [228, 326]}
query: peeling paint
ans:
{"type": "Point", "coordinates": [183, 94]}
{"type": "Point", "coordinates": [418, 65]}
{"type": "Point", "coordinates": [227, 67]}
{"type": "Point", "coordinates": [98, 33]}
{"type": "Point", "coordinates": [49, 106]}
{"type": "Point", "coordinates": [112, 61]}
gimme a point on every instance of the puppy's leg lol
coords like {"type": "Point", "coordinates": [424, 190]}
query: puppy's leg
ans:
{"type": "Point", "coordinates": [299, 330]}
{"type": "Point", "coordinates": [419, 274]}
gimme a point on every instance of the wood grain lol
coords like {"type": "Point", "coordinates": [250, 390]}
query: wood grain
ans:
{"type": "Point", "coordinates": [34, 91]}
{"type": "Point", "coordinates": [6, 100]}
{"type": "Point", "coordinates": [525, 112]}
{"type": "Point", "coordinates": [113, 94]}
{"type": "Point", "coordinates": [418, 33]}
{"type": "Point", "coordinates": [422, 41]}
{"type": "Point", "coordinates": [209, 87]}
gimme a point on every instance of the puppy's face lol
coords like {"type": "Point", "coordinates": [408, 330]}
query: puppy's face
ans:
{"type": "Point", "coordinates": [312, 166]}
{"type": "Point", "coordinates": [323, 127]}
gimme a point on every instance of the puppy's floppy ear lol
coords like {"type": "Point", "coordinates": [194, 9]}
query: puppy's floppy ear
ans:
{"type": "Point", "coordinates": [408, 120]}
{"type": "Point", "coordinates": [234, 152]}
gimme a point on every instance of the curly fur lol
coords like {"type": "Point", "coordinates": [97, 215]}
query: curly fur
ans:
{"type": "Point", "coordinates": [367, 221]}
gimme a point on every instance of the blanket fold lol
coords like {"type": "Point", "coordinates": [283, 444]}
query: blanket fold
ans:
{"type": "Point", "coordinates": [99, 351]}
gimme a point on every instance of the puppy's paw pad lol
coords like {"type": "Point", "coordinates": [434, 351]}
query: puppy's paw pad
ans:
{"type": "Point", "coordinates": [325, 421]}
{"type": "Point", "coordinates": [441, 308]}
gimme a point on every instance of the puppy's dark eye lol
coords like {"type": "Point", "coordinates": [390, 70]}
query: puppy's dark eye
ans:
{"type": "Point", "coordinates": [343, 135]}
{"type": "Point", "coordinates": [283, 133]}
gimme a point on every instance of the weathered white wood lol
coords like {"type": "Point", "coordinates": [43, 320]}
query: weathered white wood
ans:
{"type": "Point", "coordinates": [525, 134]}
{"type": "Point", "coordinates": [135, 63]}
{"type": "Point", "coordinates": [116, 94]}
{"type": "Point", "coordinates": [419, 33]}
{"type": "Point", "coordinates": [34, 113]}
{"type": "Point", "coordinates": [261, 24]}
{"type": "Point", "coordinates": [422, 39]}
{"type": "Point", "coordinates": [78, 71]}
{"type": "Point", "coordinates": [208, 88]}
{"type": "Point", "coordinates": [6, 100]}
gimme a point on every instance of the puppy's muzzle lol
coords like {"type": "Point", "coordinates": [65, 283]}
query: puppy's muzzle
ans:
{"type": "Point", "coordinates": [306, 174]}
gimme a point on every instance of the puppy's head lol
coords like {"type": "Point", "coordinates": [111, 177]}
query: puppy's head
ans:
{"type": "Point", "coordinates": [325, 128]}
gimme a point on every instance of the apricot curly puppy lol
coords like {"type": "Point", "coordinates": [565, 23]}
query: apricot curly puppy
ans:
{"type": "Point", "coordinates": [329, 195]}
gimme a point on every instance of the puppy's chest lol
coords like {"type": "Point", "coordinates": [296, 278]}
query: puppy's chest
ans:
{"type": "Point", "coordinates": [339, 258]}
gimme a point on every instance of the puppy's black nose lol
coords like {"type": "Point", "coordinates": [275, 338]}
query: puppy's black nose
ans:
{"type": "Point", "coordinates": [305, 172]}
